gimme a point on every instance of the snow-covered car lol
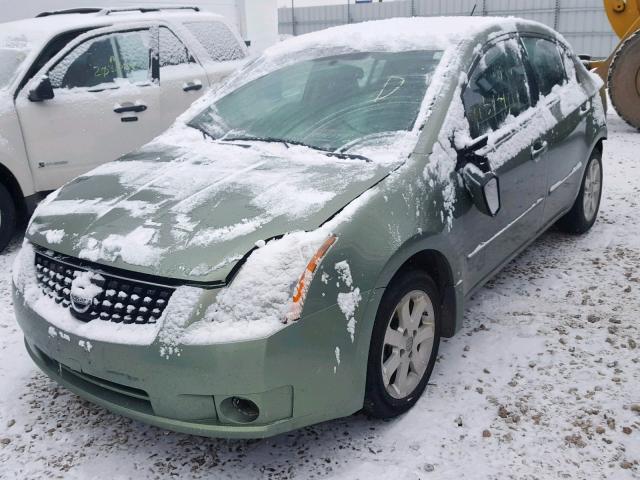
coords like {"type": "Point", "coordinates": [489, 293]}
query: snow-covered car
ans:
{"type": "Point", "coordinates": [295, 246]}
{"type": "Point", "coordinates": [82, 87]}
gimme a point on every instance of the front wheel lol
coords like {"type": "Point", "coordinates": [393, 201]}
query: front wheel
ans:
{"type": "Point", "coordinates": [404, 345]}
{"type": "Point", "coordinates": [7, 217]}
{"type": "Point", "coordinates": [585, 210]}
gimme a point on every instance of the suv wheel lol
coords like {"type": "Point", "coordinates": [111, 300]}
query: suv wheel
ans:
{"type": "Point", "coordinates": [585, 210]}
{"type": "Point", "coordinates": [7, 217]}
{"type": "Point", "coordinates": [404, 345]}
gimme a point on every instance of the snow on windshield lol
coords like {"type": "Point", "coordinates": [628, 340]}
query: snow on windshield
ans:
{"type": "Point", "coordinates": [329, 103]}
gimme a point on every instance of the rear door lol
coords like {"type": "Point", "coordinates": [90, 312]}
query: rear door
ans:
{"type": "Point", "coordinates": [106, 104]}
{"type": "Point", "coordinates": [567, 139]}
{"type": "Point", "coordinates": [497, 101]}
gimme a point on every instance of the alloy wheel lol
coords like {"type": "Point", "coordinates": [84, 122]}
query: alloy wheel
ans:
{"type": "Point", "coordinates": [592, 190]}
{"type": "Point", "coordinates": [408, 343]}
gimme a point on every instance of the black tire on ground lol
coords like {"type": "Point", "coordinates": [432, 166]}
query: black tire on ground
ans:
{"type": "Point", "coordinates": [624, 80]}
{"type": "Point", "coordinates": [7, 217]}
{"type": "Point", "coordinates": [577, 222]}
{"type": "Point", "coordinates": [378, 402]}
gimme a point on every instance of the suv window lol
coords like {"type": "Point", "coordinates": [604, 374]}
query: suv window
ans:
{"type": "Point", "coordinates": [103, 60]}
{"type": "Point", "coordinates": [172, 50]}
{"type": "Point", "coordinates": [497, 88]}
{"type": "Point", "coordinates": [546, 62]}
{"type": "Point", "coordinates": [216, 38]}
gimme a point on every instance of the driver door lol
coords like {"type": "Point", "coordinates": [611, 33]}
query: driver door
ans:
{"type": "Point", "coordinates": [497, 101]}
{"type": "Point", "coordinates": [106, 103]}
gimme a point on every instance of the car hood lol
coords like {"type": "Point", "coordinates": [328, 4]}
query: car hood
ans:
{"type": "Point", "coordinates": [192, 209]}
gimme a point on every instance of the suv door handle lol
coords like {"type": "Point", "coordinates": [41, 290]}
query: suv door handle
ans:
{"type": "Point", "coordinates": [192, 86]}
{"type": "Point", "coordinates": [130, 108]}
{"type": "Point", "coordinates": [538, 149]}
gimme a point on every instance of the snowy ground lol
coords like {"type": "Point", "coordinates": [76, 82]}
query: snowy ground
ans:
{"type": "Point", "coordinates": [543, 382]}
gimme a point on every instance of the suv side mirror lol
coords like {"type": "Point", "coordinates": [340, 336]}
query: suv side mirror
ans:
{"type": "Point", "coordinates": [484, 188]}
{"type": "Point", "coordinates": [42, 91]}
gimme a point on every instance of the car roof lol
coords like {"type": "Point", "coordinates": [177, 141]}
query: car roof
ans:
{"type": "Point", "coordinates": [400, 34]}
{"type": "Point", "coordinates": [38, 30]}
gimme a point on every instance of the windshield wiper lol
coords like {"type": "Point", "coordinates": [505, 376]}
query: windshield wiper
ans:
{"type": "Point", "coordinates": [286, 143]}
{"type": "Point", "coordinates": [246, 138]}
{"type": "Point", "coordinates": [347, 156]}
{"type": "Point", "coordinates": [359, 141]}
{"type": "Point", "coordinates": [204, 133]}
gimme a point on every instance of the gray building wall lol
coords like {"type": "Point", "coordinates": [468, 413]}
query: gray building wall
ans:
{"type": "Point", "coordinates": [582, 22]}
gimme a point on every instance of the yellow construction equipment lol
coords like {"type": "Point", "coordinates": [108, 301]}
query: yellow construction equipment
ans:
{"type": "Point", "coordinates": [621, 71]}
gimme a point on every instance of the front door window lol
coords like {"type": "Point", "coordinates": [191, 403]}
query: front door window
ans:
{"type": "Point", "coordinates": [105, 62]}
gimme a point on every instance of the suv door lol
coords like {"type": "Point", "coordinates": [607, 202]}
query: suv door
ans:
{"type": "Point", "coordinates": [568, 140]}
{"type": "Point", "coordinates": [106, 103]}
{"type": "Point", "coordinates": [497, 101]}
{"type": "Point", "coordinates": [182, 79]}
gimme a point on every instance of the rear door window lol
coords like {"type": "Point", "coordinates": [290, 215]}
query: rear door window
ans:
{"type": "Point", "coordinates": [172, 51]}
{"type": "Point", "coordinates": [547, 64]}
{"type": "Point", "coordinates": [497, 88]}
{"type": "Point", "coordinates": [218, 41]}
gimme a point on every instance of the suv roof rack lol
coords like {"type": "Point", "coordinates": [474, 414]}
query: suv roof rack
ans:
{"type": "Point", "coordinates": [69, 11]}
{"type": "Point", "coordinates": [109, 11]}
{"type": "Point", "coordinates": [149, 9]}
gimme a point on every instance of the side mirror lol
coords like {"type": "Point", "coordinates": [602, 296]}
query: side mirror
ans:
{"type": "Point", "coordinates": [484, 188]}
{"type": "Point", "coordinates": [43, 91]}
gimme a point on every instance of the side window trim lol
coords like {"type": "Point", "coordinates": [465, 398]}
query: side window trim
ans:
{"type": "Point", "coordinates": [478, 58]}
{"type": "Point", "coordinates": [153, 61]}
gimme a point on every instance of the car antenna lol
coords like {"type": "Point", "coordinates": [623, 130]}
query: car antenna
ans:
{"type": "Point", "coordinates": [473, 10]}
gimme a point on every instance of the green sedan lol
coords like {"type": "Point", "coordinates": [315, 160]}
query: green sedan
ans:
{"type": "Point", "coordinates": [294, 248]}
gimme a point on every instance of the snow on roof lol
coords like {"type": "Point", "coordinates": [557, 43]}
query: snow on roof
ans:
{"type": "Point", "coordinates": [39, 30]}
{"type": "Point", "coordinates": [398, 34]}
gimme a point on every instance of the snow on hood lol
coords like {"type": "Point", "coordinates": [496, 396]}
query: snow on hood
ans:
{"type": "Point", "coordinates": [190, 208]}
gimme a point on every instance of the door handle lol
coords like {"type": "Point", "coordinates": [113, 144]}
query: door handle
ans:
{"type": "Point", "coordinates": [130, 108]}
{"type": "Point", "coordinates": [192, 86]}
{"type": "Point", "coordinates": [538, 149]}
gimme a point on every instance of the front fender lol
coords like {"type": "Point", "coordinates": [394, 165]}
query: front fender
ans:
{"type": "Point", "coordinates": [13, 155]}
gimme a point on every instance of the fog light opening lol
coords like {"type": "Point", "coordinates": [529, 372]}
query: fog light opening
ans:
{"type": "Point", "coordinates": [240, 410]}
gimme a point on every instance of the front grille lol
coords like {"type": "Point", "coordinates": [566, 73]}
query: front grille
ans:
{"type": "Point", "coordinates": [118, 299]}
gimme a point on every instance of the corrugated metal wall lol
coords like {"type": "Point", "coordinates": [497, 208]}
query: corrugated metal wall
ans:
{"type": "Point", "coordinates": [582, 22]}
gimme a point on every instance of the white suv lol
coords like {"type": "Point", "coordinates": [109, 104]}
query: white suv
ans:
{"type": "Point", "coordinates": [82, 87]}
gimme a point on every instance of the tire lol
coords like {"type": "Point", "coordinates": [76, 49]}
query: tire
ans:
{"type": "Point", "coordinates": [624, 80]}
{"type": "Point", "coordinates": [581, 217]}
{"type": "Point", "coordinates": [384, 399]}
{"type": "Point", "coordinates": [7, 217]}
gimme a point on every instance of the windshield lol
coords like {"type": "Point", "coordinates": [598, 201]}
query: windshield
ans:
{"type": "Point", "coordinates": [10, 59]}
{"type": "Point", "coordinates": [327, 103]}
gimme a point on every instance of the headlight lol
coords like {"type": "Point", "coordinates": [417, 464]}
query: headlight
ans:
{"type": "Point", "coordinates": [302, 287]}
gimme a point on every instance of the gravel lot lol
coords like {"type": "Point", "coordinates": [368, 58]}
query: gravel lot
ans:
{"type": "Point", "coordinates": [543, 382]}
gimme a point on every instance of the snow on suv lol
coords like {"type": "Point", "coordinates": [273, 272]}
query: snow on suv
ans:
{"type": "Point", "coordinates": [82, 87]}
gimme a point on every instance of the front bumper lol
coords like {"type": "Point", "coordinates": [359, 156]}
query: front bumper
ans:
{"type": "Point", "coordinates": [292, 376]}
